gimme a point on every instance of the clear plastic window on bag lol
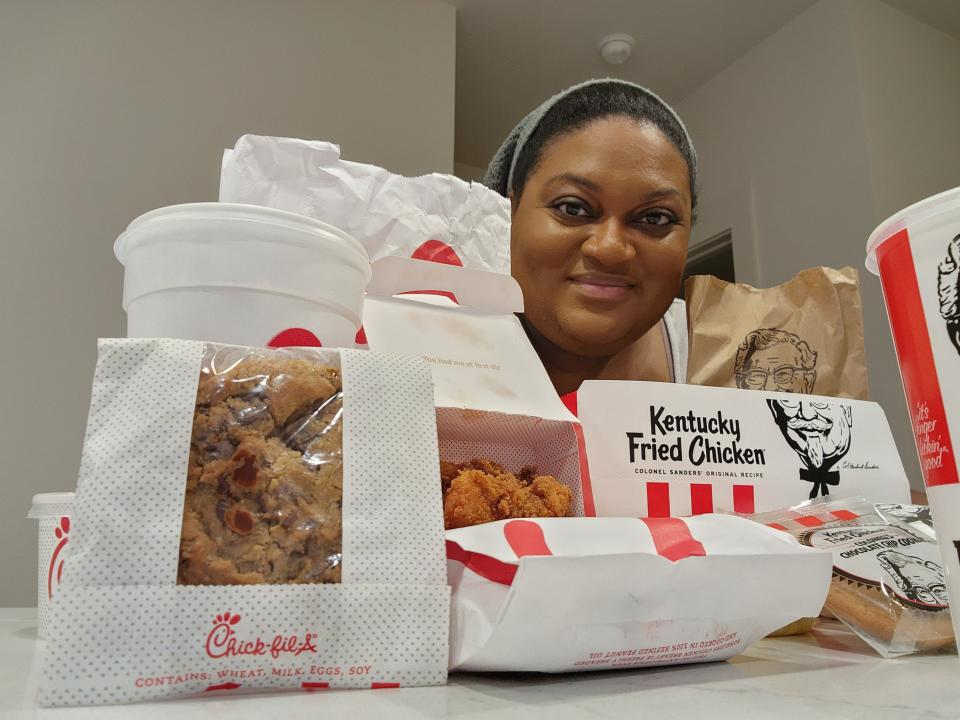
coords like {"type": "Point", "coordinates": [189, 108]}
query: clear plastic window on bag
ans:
{"type": "Point", "coordinates": [888, 584]}
{"type": "Point", "coordinates": [264, 484]}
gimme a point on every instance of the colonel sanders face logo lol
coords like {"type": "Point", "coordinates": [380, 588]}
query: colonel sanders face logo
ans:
{"type": "Point", "coordinates": [916, 579]}
{"type": "Point", "coordinates": [771, 359]}
{"type": "Point", "coordinates": [819, 432]}
{"type": "Point", "coordinates": [907, 513]}
{"type": "Point", "coordinates": [948, 288]}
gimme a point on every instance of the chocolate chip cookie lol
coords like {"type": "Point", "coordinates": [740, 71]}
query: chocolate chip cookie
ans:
{"type": "Point", "coordinates": [264, 481]}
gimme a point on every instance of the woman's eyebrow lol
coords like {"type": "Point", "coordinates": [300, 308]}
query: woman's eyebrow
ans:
{"type": "Point", "coordinates": [663, 193]}
{"type": "Point", "coordinates": [576, 180]}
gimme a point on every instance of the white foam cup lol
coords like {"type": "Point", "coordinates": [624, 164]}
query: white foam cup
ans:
{"type": "Point", "coordinates": [917, 255]}
{"type": "Point", "coordinates": [241, 274]}
{"type": "Point", "coordinates": [52, 510]}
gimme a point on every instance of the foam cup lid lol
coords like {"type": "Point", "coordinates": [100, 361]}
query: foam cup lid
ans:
{"type": "Point", "coordinates": [216, 211]}
{"type": "Point", "coordinates": [44, 503]}
{"type": "Point", "coordinates": [916, 213]}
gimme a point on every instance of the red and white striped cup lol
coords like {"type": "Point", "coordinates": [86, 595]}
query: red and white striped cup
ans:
{"type": "Point", "coordinates": [917, 255]}
{"type": "Point", "coordinates": [53, 511]}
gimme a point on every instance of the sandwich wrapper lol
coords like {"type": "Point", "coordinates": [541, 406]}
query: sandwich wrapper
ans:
{"type": "Point", "coordinates": [574, 594]}
{"type": "Point", "coordinates": [433, 217]}
{"type": "Point", "coordinates": [577, 593]}
{"type": "Point", "coordinates": [659, 450]}
{"type": "Point", "coordinates": [123, 630]}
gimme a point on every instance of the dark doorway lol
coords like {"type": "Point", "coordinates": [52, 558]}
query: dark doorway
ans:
{"type": "Point", "coordinates": [713, 257]}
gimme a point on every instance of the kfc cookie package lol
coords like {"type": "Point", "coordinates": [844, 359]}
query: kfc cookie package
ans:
{"type": "Point", "coordinates": [509, 447]}
{"type": "Point", "coordinates": [888, 583]}
{"type": "Point", "coordinates": [251, 519]}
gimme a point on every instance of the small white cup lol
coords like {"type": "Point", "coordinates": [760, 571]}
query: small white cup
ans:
{"type": "Point", "coordinates": [242, 275]}
{"type": "Point", "coordinates": [53, 511]}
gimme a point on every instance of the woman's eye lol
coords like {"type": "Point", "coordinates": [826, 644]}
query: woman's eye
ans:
{"type": "Point", "coordinates": [657, 217]}
{"type": "Point", "coordinates": [571, 208]}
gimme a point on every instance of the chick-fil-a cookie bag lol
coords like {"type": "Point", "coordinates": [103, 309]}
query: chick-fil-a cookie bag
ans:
{"type": "Point", "coordinates": [373, 615]}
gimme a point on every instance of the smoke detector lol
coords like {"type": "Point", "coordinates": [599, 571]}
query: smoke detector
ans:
{"type": "Point", "coordinates": [615, 48]}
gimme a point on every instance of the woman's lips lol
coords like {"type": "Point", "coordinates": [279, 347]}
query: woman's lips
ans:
{"type": "Point", "coordinates": [600, 287]}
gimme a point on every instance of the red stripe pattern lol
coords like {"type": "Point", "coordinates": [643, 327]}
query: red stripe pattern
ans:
{"type": "Point", "coordinates": [658, 499]}
{"type": "Point", "coordinates": [223, 686]}
{"type": "Point", "coordinates": [701, 498]}
{"type": "Point", "coordinates": [743, 499]}
{"type": "Point", "coordinates": [486, 567]}
{"type": "Point", "coordinates": [589, 508]}
{"type": "Point", "coordinates": [525, 538]}
{"type": "Point", "coordinates": [898, 275]}
{"type": "Point", "coordinates": [672, 538]}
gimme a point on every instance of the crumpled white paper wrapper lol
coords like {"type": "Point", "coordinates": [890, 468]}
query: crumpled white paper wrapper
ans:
{"type": "Point", "coordinates": [431, 217]}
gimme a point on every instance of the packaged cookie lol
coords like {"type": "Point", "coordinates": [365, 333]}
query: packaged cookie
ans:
{"type": "Point", "coordinates": [888, 583]}
{"type": "Point", "coordinates": [265, 475]}
{"type": "Point", "coordinates": [251, 519]}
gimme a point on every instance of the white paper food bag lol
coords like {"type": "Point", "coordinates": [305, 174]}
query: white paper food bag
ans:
{"type": "Point", "coordinates": [572, 594]}
{"type": "Point", "coordinates": [433, 217]}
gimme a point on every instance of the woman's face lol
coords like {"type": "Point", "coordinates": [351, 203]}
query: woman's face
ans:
{"type": "Point", "coordinates": [599, 235]}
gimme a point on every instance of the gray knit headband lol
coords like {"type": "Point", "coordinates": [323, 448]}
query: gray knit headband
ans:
{"type": "Point", "coordinates": [499, 175]}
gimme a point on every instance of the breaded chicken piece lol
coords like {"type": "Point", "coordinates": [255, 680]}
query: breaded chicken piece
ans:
{"type": "Point", "coordinates": [475, 496]}
{"type": "Point", "coordinates": [449, 470]}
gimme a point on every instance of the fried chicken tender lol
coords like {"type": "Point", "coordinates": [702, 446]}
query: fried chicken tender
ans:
{"type": "Point", "coordinates": [483, 492]}
{"type": "Point", "coordinates": [449, 470]}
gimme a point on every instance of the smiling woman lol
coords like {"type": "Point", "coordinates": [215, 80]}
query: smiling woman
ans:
{"type": "Point", "coordinates": [602, 184]}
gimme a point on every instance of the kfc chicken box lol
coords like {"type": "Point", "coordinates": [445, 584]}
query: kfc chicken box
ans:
{"type": "Point", "coordinates": [251, 519]}
{"type": "Point", "coordinates": [509, 447]}
{"type": "Point", "coordinates": [660, 450]}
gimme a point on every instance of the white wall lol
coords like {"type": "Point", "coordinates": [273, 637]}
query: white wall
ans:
{"type": "Point", "coordinates": [811, 139]}
{"type": "Point", "coordinates": [470, 173]}
{"type": "Point", "coordinates": [781, 156]}
{"type": "Point", "coordinates": [909, 76]}
{"type": "Point", "coordinates": [113, 108]}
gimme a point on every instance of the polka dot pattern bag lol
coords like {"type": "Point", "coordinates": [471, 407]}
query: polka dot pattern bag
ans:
{"type": "Point", "coordinates": [251, 519]}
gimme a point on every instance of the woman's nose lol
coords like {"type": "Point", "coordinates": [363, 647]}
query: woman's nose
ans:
{"type": "Point", "coordinates": [609, 244]}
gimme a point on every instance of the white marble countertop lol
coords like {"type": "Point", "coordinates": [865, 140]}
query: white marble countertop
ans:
{"type": "Point", "coordinates": [828, 673]}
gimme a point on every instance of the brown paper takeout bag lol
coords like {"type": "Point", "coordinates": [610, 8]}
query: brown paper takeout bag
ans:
{"type": "Point", "coordinates": [803, 336]}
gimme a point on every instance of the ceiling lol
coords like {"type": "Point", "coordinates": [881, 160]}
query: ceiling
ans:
{"type": "Point", "coordinates": [941, 14]}
{"type": "Point", "coordinates": [512, 54]}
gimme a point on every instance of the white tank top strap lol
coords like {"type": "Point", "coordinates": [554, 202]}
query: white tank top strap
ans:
{"type": "Point", "coordinates": [674, 324]}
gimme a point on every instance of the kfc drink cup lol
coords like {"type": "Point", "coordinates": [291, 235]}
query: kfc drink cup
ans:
{"type": "Point", "coordinates": [53, 512]}
{"type": "Point", "coordinates": [917, 255]}
{"type": "Point", "coordinates": [241, 274]}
